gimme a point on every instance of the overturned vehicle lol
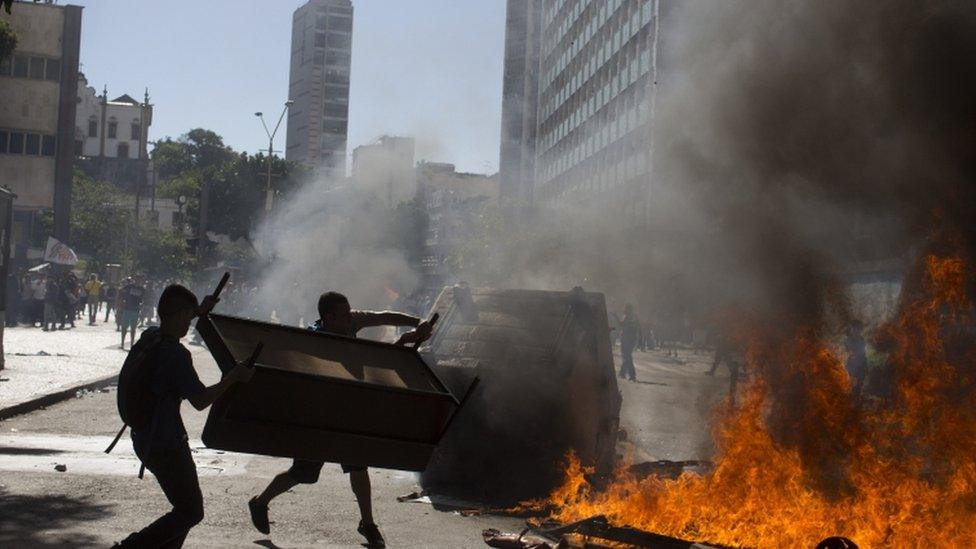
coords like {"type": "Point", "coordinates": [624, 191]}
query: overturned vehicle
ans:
{"type": "Point", "coordinates": [546, 387]}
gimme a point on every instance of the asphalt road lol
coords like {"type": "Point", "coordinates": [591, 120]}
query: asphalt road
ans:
{"type": "Point", "coordinates": [98, 499]}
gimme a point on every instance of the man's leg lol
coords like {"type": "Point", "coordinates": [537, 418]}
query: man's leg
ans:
{"type": "Point", "coordinates": [300, 472]}
{"type": "Point", "coordinates": [627, 368]}
{"type": "Point", "coordinates": [278, 485]}
{"type": "Point", "coordinates": [359, 480]}
{"type": "Point", "coordinates": [177, 476]}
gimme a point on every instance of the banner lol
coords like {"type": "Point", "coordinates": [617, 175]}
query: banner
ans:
{"type": "Point", "coordinates": [59, 252]}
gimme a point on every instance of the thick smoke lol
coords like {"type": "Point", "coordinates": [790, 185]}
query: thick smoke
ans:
{"type": "Point", "coordinates": [331, 236]}
{"type": "Point", "coordinates": [792, 141]}
{"type": "Point", "coordinates": [801, 136]}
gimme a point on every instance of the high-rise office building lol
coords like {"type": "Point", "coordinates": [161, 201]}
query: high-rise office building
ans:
{"type": "Point", "coordinates": [520, 86]}
{"type": "Point", "coordinates": [321, 51]}
{"type": "Point", "coordinates": [585, 120]}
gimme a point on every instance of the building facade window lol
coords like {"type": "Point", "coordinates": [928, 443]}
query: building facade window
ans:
{"type": "Point", "coordinates": [53, 70]}
{"type": "Point", "coordinates": [32, 144]}
{"type": "Point", "coordinates": [113, 128]}
{"type": "Point", "coordinates": [92, 128]}
{"type": "Point", "coordinates": [123, 150]}
{"type": "Point", "coordinates": [136, 131]}
{"type": "Point", "coordinates": [16, 143]}
{"type": "Point", "coordinates": [37, 68]}
{"type": "Point", "coordinates": [21, 66]}
{"type": "Point", "coordinates": [48, 145]}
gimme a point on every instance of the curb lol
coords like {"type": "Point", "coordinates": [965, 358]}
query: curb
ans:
{"type": "Point", "coordinates": [55, 397]}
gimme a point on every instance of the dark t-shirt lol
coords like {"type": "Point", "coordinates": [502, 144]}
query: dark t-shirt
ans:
{"type": "Point", "coordinates": [132, 296]}
{"type": "Point", "coordinates": [173, 380]}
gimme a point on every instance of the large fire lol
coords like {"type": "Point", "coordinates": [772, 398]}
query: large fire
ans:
{"type": "Point", "coordinates": [799, 459]}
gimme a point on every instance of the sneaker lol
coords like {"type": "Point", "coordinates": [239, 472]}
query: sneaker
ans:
{"type": "Point", "coordinates": [372, 534]}
{"type": "Point", "coordinates": [259, 516]}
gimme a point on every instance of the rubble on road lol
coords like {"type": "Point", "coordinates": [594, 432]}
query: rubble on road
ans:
{"type": "Point", "coordinates": [592, 533]}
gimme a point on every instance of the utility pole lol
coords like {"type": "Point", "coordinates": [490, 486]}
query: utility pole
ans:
{"type": "Point", "coordinates": [269, 197]}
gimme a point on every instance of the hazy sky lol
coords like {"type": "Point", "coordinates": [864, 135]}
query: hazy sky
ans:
{"type": "Point", "coordinates": [427, 68]}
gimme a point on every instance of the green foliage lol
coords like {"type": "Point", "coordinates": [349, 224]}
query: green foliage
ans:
{"type": "Point", "coordinates": [98, 218]}
{"type": "Point", "coordinates": [236, 183]}
{"type": "Point", "coordinates": [8, 40]}
{"type": "Point", "coordinates": [8, 3]}
{"type": "Point", "coordinates": [162, 254]}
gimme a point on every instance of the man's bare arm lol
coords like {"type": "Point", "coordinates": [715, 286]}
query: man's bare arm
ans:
{"type": "Point", "coordinates": [206, 397]}
{"type": "Point", "coordinates": [368, 319]}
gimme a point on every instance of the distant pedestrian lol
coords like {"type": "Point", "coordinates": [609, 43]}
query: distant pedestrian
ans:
{"type": "Point", "coordinates": [631, 336]}
{"type": "Point", "coordinates": [52, 293]}
{"type": "Point", "coordinates": [68, 301]}
{"type": "Point", "coordinates": [13, 299]}
{"type": "Point", "coordinates": [93, 289]}
{"type": "Point", "coordinates": [109, 292]}
{"type": "Point", "coordinates": [161, 443]}
{"type": "Point", "coordinates": [130, 304]}
{"type": "Point", "coordinates": [148, 302]}
{"type": "Point", "coordinates": [38, 298]}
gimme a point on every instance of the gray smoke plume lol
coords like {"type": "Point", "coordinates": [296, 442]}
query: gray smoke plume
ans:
{"type": "Point", "coordinates": [792, 139]}
{"type": "Point", "coordinates": [330, 236]}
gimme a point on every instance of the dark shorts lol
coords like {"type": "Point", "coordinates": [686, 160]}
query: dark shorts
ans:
{"type": "Point", "coordinates": [130, 318]}
{"type": "Point", "coordinates": [304, 471]}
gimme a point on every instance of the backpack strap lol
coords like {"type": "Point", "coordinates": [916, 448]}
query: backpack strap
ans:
{"type": "Point", "coordinates": [116, 439]}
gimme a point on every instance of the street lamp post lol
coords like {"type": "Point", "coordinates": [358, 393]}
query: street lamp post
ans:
{"type": "Point", "coordinates": [269, 199]}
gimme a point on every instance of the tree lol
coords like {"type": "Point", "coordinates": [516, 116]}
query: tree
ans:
{"type": "Point", "coordinates": [99, 218]}
{"type": "Point", "coordinates": [8, 40]}
{"type": "Point", "coordinates": [162, 254]}
{"type": "Point", "coordinates": [236, 182]}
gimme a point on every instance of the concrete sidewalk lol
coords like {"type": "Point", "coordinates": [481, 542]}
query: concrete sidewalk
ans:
{"type": "Point", "coordinates": [45, 367]}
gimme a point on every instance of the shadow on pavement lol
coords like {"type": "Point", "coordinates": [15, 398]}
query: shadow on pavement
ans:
{"type": "Point", "coordinates": [28, 520]}
{"type": "Point", "coordinates": [266, 543]}
{"type": "Point", "coordinates": [18, 451]}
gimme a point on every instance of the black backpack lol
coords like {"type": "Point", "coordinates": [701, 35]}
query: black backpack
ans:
{"type": "Point", "coordinates": [135, 399]}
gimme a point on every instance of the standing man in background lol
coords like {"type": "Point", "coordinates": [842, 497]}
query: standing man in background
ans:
{"type": "Point", "coordinates": [130, 304]}
{"type": "Point", "coordinates": [93, 289]}
{"type": "Point", "coordinates": [630, 336]}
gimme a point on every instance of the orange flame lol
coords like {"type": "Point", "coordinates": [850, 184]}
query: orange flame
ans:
{"type": "Point", "coordinates": [800, 460]}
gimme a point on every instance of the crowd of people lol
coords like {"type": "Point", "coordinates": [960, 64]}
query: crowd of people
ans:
{"type": "Point", "coordinates": [55, 300]}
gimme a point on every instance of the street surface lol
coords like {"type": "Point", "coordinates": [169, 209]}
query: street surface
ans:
{"type": "Point", "coordinates": [97, 498]}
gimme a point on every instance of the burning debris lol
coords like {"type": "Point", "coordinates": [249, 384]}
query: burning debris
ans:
{"type": "Point", "coordinates": [800, 458]}
{"type": "Point", "coordinates": [594, 532]}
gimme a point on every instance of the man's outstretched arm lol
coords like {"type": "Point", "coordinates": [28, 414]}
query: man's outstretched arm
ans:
{"type": "Point", "coordinates": [368, 319]}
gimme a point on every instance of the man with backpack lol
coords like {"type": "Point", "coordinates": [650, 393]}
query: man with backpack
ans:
{"type": "Point", "coordinates": [157, 376]}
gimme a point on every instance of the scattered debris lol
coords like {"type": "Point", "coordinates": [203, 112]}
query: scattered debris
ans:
{"type": "Point", "coordinates": [594, 532]}
{"type": "Point", "coordinates": [40, 353]}
{"type": "Point", "coordinates": [666, 468]}
{"type": "Point", "coordinates": [60, 467]}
